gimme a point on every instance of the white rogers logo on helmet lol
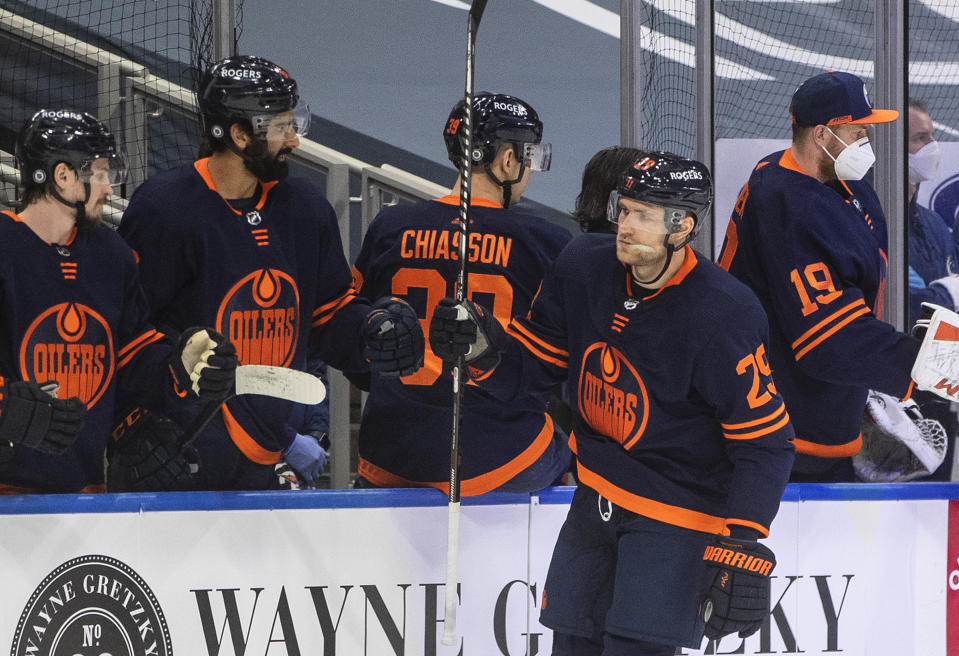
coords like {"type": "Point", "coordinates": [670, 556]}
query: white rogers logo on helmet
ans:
{"type": "Point", "coordinates": [240, 73]}
{"type": "Point", "coordinates": [686, 175]}
{"type": "Point", "coordinates": [61, 114]}
{"type": "Point", "coordinates": [517, 110]}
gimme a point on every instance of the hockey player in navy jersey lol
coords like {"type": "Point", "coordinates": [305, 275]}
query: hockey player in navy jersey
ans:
{"type": "Point", "coordinates": [230, 241]}
{"type": "Point", "coordinates": [73, 314]}
{"type": "Point", "coordinates": [809, 237]}
{"type": "Point", "coordinates": [681, 439]}
{"type": "Point", "coordinates": [410, 250]}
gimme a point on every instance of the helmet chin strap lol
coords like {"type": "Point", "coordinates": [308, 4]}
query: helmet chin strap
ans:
{"type": "Point", "coordinates": [670, 250]}
{"type": "Point", "coordinates": [507, 185]}
{"type": "Point", "coordinates": [79, 206]}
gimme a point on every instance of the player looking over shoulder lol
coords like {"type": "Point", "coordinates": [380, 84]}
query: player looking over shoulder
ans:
{"type": "Point", "coordinates": [231, 241]}
{"type": "Point", "coordinates": [809, 237]}
{"type": "Point", "coordinates": [74, 319]}
{"type": "Point", "coordinates": [681, 439]}
{"type": "Point", "coordinates": [410, 251]}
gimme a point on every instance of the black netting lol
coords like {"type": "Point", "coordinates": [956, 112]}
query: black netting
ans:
{"type": "Point", "coordinates": [668, 40]}
{"type": "Point", "coordinates": [167, 37]}
{"type": "Point", "coordinates": [765, 50]}
{"type": "Point", "coordinates": [933, 44]}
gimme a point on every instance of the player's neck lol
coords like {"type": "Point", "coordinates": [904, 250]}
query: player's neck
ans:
{"type": "Point", "coordinates": [230, 175]}
{"type": "Point", "coordinates": [482, 187]}
{"type": "Point", "coordinates": [50, 219]}
{"type": "Point", "coordinates": [807, 157]}
{"type": "Point", "coordinates": [648, 271]}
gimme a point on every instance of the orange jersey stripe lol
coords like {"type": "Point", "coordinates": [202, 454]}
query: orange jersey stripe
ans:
{"type": "Point", "coordinates": [745, 522]}
{"type": "Point", "coordinates": [563, 364]}
{"type": "Point", "coordinates": [826, 335]}
{"type": "Point", "coordinates": [126, 360]}
{"type": "Point", "coordinates": [246, 444]}
{"type": "Point", "coordinates": [325, 312]}
{"type": "Point", "coordinates": [663, 512]}
{"type": "Point", "coordinates": [832, 317]}
{"type": "Point", "coordinates": [762, 431]}
{"type": "Point", "coordinates": [471, 486]}
{"type": "Point", "coordinates": [756, 422]}
{"type": "Point", "coordinates": [827, 451]}
{"type": "Point", "coordinates": [135, 342]}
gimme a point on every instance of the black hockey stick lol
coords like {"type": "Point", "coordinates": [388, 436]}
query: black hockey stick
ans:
{"type": "Point", "coordinates": [453, 528]}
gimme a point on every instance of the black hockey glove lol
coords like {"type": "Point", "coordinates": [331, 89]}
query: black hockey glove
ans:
{"type": "Point", "coordinates": [145, 455]}
{"type": "Point", "coordinates": [36, 419]}
{"type": "Point", "coordinates": [393, 340]}
{"type": "Point", "coordinates": [469, 330]}
{"type": "Point", "coordinates": [205, 362]}
{"type": "Point", "coordinates": [738, 575]}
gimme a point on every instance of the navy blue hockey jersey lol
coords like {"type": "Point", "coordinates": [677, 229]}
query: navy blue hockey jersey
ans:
{"type": "Point", "coordinates": [816, 257]}
{"type": "Point", "coordinates": [74, 314]}
{"type": "Point", "coordinates": [412, 251]}
{"type": "Point", "coordinates": [273, 279]}
{"type": "Point", "coordinates": [676, 415]}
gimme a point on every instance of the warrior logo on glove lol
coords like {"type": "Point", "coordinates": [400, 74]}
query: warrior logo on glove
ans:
{"type": "Point", "coordinates": [738, 576]}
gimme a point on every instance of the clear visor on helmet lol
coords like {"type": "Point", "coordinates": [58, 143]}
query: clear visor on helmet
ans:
{"type": "Point", "coordinates": [104, 170]}
{"type": "Point", "coordinates": [647, 217]}
{"type": "Point", "coordinates": [280, 125]}
{"type": "Point", "coordinates": [537, 157]}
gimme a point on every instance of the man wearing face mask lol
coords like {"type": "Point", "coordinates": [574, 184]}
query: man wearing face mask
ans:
{"type": "Point", "coordinates": [933, 254]}
{"type": "Point", "coordinates": [808, 235]}
{"type": "Point", "coordinates": [231, 241]}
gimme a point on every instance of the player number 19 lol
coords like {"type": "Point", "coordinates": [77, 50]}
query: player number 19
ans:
{"type": "Point", "coordinates": [817, 278]}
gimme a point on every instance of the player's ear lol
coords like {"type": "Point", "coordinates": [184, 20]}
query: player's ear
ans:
{"type": "Point", "coordinates": [63, 174]}
{"type": "Point", "coordinates": [505, 162]}
{"type": "Point", "coordinates": [686, 226]}
{"type": "Point", "coordinates": [239, 135]}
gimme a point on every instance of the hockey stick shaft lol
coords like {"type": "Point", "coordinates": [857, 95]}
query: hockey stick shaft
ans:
{"type": "Point", "coordinates": [452, 540]}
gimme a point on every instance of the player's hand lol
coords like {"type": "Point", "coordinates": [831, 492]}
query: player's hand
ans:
{"type": "Point", "coordinates": [31, 416]}
{"type": "Point", "coordinates": [307, 458]}
{"type": "Point", "coordinates": [205, 362]}
{"type": "Point", "coordinates": [393, 342]}
{"type": "Point", "coordinates": [145, 455]}
{"type": "Point", "coordinates": [469, 330]}
{"type": "Point", "coordinates": [738, 576]}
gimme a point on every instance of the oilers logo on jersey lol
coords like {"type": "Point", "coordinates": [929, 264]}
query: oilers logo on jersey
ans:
{"type": "Point", "coordinates": [612, 397]}
{"type": "Point", "coordinates": [260, 315]}
{"type": "Point", "coordinates": [71, 344]}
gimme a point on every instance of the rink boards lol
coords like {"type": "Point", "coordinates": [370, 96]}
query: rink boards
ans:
{"type": "Point", "coordinates": [862, 570]}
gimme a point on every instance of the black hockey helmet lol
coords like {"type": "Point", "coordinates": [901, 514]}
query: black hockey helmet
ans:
{"type": "Point", "coordinates": [251, 89]}
{"type": "Point", "coordinates": [679, 184]}
{"type": "Point", "coordinates": [76, 138]}
{"type": "Point", "coordinates": [497, 119]}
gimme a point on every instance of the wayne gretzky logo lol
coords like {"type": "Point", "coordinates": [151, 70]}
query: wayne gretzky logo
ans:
{"type": "Point", "coordinates": [92, 606]}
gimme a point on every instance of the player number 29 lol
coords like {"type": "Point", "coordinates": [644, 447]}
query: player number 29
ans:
{"type": "Point", "coordinates": [757, 364]}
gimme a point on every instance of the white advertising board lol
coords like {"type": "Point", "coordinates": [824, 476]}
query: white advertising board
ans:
{"type": "Point", "coordinates": [326, 575]}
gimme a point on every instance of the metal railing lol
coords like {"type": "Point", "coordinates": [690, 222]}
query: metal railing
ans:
{"type": "Point", "coordinates": [127, 93]}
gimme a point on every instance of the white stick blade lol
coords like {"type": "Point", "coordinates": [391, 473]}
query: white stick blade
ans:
{"type": "Point", "coordinates": [280, 382]}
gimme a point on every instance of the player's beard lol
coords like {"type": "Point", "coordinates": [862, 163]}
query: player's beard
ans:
{"type": "Point", "coordinates": [641, 255]}
{"type": "Point", "coordinates": [265, 167]}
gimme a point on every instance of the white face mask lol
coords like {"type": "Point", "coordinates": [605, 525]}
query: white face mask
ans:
{"type": "Point", "coordinates": [855, 160]}
{"type": "Point", "coordinates": [924, 163]}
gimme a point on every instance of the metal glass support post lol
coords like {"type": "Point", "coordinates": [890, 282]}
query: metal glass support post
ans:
{"type": "Point", "coordinates": [224, 28]}
{"type": "Point", "coordinates": [705, 138]}
{"type": "Point", "coordinates": [891, 91]}
{"type": "Point", "coordinates": [338, 193]}
{"type": "Point", "coordinates": [630, 68]}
